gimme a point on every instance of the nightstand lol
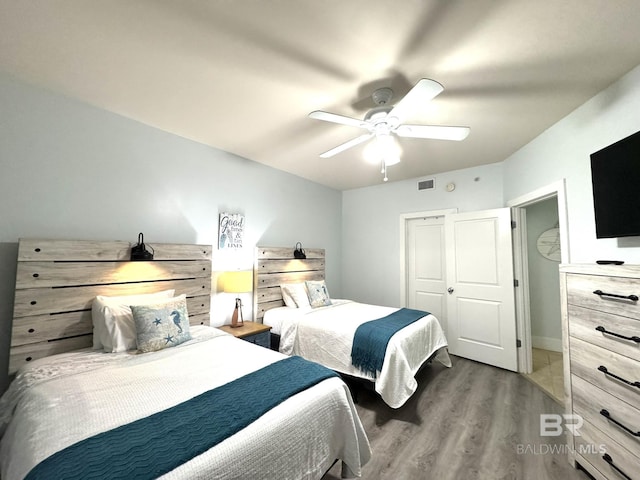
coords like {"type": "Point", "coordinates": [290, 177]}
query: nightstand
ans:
{"type": "Point", "coordinates": [253, 332]}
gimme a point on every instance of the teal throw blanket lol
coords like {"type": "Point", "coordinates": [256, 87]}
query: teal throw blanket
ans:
{"type": "Point", "coordinates": [155, 445]}
{"type": "Point", "coordinates": [371, 338]}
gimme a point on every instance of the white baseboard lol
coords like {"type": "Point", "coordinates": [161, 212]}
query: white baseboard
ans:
{"type": "Point", "coordinates": [547, 343]}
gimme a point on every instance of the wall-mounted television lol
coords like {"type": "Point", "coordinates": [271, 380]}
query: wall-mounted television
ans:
{"type": "Point", "coordinates": [615, 176]}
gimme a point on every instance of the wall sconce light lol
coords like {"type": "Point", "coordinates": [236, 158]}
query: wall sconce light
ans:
{"type": "Point", "coordinates": [238, 282]}
{"type": "Point", "coordinates": [140, 252]}
{"type": "Point", "coordinates": [299, 252]}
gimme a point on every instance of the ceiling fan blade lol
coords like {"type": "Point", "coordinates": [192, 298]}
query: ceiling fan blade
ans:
{"type": "Point", "coordinates": [422, 92]}
{"type": "Point", "coordinates": [341, 119]}
{"type": "Point", "coordinates": [351, 143]}
{"type": "Point", "coordinates": [433, 131]}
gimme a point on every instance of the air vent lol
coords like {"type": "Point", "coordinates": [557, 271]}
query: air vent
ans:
{"type": "Point", "coordinates": [427, 184]}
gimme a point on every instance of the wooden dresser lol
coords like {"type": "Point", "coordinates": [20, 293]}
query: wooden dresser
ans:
{"type": "Point", "coordinates": [601, 335]}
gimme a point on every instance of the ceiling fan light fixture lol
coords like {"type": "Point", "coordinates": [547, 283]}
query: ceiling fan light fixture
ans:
{"type": "Point", "coordinates": [391, 161]}
{"type": "Point", "coordinates": [383, 148]}
{"type": "Point", "coordinates": [371, 154]}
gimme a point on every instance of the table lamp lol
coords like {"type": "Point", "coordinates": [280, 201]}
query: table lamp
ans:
{"type": "Point", "coordinates": [238, 282]}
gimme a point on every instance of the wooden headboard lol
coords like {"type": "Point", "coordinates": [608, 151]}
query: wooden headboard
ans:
{"type": "Point", "coordinates": [57, 280]}
{"type": "Point", "coordinates": [276, 265]}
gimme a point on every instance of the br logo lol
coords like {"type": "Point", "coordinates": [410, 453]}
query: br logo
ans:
{"type": "Point", "coordinates": [551, 424]}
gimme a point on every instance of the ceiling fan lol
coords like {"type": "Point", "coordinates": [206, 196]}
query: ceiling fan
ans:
{"type": "Point", "coordinates": [384, 121]}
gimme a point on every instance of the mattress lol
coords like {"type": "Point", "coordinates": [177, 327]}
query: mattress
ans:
{"type": "Point", "coordinates": [59, 400]}
{"type": "Point", "coordinates": [325, 335]}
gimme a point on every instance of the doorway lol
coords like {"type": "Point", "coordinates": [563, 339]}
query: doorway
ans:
{"type": "Point", "coordinates": [540, 244]}
{"type": "Point", "coordinates": [543, 258]}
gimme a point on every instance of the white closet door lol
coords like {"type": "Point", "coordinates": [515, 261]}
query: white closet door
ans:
{"type": "Point", "coordinates": [480, 298]}
{"type": "Point", "coordinates": [426, 273]}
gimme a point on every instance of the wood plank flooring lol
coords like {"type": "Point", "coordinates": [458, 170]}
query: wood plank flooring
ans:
{"type": "Point", "coordinates": [471, 421]}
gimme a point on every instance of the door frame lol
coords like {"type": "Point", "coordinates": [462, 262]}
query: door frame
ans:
{"type": "Point", "coordinates": [518, 205]}
{"type": "Point", "coordinates": [404, 219]}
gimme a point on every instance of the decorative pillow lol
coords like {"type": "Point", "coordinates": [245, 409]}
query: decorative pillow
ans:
{"type": "Point", "coordinates": [161, 325]}
{"type": "Point", "coordinates": [113, 327]}
{"type": "Point", "coordinates": [318, 293]}
{"type": "Point", "coordinates": [286, 297]}
{"type": "Point", "coordinates": [298, 291]}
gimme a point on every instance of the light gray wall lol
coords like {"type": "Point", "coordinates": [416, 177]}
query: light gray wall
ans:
{"type": "Point", "coordinates": [563, 152]}
{"type": "Point", "coordinates": [371, 225]}
{"type": "Point", "coordinates": [68, 170]}
{"type": "Point", "coordinates": [544, 282]}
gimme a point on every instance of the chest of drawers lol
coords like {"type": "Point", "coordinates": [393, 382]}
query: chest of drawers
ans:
{"type": "Point", "coordinates": [601, 336]}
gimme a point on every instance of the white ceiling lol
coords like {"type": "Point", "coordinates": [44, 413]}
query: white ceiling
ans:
{"type": "Point", "coordinates": [243, 75]}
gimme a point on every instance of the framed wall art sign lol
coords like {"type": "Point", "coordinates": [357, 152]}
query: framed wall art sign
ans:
{"type": "Point", "coordinates": [230, 230]}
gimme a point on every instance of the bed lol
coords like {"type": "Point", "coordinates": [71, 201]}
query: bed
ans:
{"type": "Point", "coordinates": [71, 404]}
{"type": "Point", "coordinates": [324, 333]}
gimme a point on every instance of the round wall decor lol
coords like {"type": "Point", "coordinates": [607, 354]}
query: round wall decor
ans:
{"type": "Point", "coordinates": [548, 244]}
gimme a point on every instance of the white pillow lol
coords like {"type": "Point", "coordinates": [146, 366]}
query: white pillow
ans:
{"type": "Point", "coordinates": [286, 297]}
{"type": "Point", "coordinates": [298, 292]}
{"type": "Point", "coordinates": [113, 326]}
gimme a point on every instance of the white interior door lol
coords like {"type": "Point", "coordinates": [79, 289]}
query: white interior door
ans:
{"type": "Point", "coordinates": [426, 273]}
{"type": "Point", "coordinates": [480, 298]}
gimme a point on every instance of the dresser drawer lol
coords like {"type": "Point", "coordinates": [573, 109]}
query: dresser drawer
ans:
{"type": "Point", "coordinates": [590, 401]}
{"type": "Point", "coordinates": [583, 324]}
{"type": "Point", "coordinates": [593, 445]}
{"type": "Point", "coordinates": [580, 290]}
{"type": "Point", "coordinates": [586, 360]}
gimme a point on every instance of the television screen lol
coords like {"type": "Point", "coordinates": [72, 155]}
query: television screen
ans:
{"type": "Point", "coordinates": [615, 176]}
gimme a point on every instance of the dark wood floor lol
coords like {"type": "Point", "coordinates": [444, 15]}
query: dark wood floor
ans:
{"type": "Point", "coordinates": [468, 422]}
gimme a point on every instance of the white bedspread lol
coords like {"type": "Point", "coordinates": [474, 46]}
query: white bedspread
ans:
{"type": "Point", "coordinates": [63, 399]}
{"type": "Point", "coordinates": [325, 335]}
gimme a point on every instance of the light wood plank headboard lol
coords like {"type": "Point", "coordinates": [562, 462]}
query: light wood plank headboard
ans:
{"type": "Point", "coordinates": [276, 265]}
{"type": "Point", "coordinates": [57, 280]}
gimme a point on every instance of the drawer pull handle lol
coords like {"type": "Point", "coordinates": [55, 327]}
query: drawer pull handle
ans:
{"type": "Point", "coordinates": [635, 338]}
{"type": "Point", "coordinates": [607, 415]}
{"type": "Point", "coordinates": [600, 293]}
{"type": "Point", "coordinates": [607, 458]}
{"type": "Point", "coordinates": [604, 370]}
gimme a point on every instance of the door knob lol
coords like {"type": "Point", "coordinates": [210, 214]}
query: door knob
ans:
{"type": "Point", "coordinates": [450, 290]}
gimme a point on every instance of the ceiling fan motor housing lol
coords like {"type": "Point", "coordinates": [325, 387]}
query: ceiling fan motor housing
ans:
{"type": "Point", "coordinates": [377, 116]}
{"type": "Point", "coordinates": [382, 96]}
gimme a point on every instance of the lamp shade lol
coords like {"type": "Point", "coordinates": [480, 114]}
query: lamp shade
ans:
{"type": "Point", "coordinates": [238, 281]}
